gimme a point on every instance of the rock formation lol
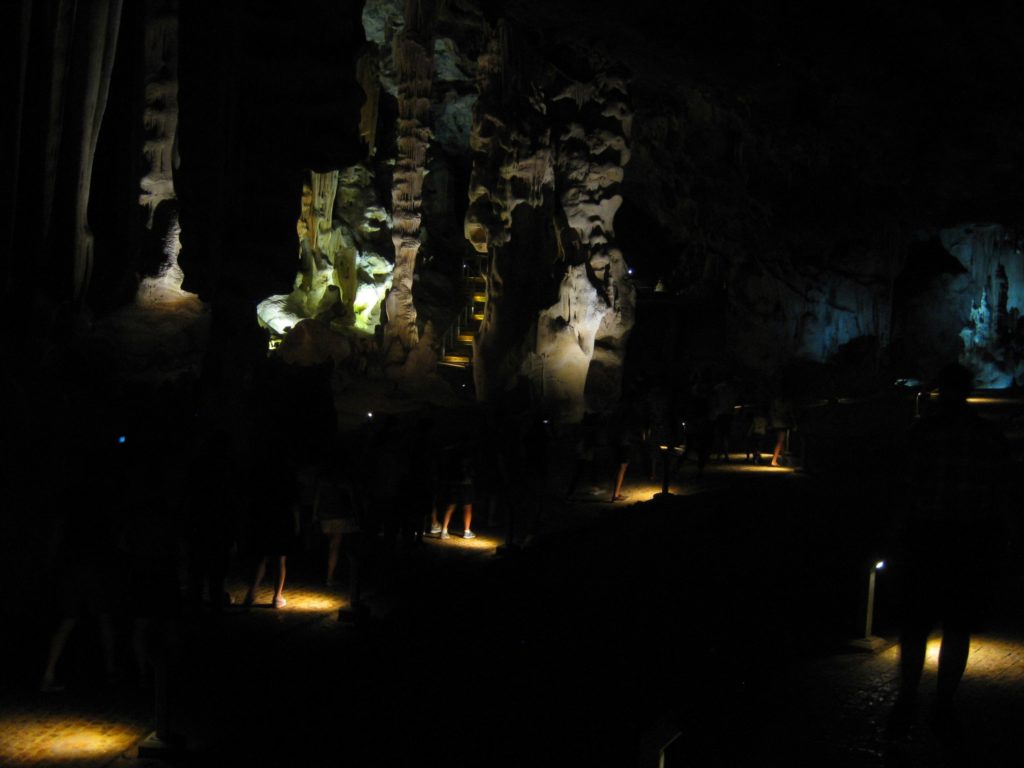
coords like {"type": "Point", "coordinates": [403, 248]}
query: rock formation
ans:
{"type": "Point", "coordinates": [993, 331]}
{"type": "Point", "coordinates": [412, 66]}
{"type": "Point", "coordinates": [343, 276]}
{"type": "Point", "coordinates": [581, 340]}
{"type": "Point", "coordinates": [160, 117]}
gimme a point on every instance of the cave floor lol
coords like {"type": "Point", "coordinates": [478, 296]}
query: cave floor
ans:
{"type": "Point", "coordinates": [721, 614]}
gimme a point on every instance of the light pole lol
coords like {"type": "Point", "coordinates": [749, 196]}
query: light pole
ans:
{"type": "Point", "coordinates": [871, 642]}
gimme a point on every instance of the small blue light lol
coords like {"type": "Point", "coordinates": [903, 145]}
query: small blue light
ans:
{"type": "Point", "coordinates": [120, 440]}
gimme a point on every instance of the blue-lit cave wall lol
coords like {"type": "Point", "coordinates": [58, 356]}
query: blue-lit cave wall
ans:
{"type": "Point", "coordinates": [992, 333]}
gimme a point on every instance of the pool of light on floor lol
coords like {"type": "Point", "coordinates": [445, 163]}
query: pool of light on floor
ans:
{"type": "Point", "coordinates": [482, 543]}
{"type": "Point", "coordinates": [990, 657]}
{"type": "Point", "coordinates": [37, 738]}
{"type": "Point", "coordinates": [301, 599]}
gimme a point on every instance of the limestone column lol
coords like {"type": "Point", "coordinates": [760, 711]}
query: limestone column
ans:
{"type": "Point", "coordinates": [413, 65]}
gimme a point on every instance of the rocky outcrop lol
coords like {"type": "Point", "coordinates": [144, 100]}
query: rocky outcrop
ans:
{"type": "Point", "coordinates": [343, 277]}
{"type": "Point", "coordinates": [547, 168]}
{"type": "Point", "coordinates": [992, 333]}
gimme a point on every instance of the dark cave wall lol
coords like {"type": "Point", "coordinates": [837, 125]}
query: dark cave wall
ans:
{"type": "Point", "coordinates": [265, 94]}
{"type": "Point", "coordinates": [63, 56]}
{"type": "Point", "coordinates": [785, 171]}
{"type": "Point", "coordinates": [780, 172]}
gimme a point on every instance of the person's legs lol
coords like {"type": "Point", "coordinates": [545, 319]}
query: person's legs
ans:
{"type": "Point", "coordinates": [780, 443]}
{"type": "Point", "coordinates": [278, 600]}
{"type": "Point", "coordinates": [261, 568]}
{"type": "Point", "coordinates": [913, 644]}
{"type": "Point", "coordinates": [620, 476]}
{"type": "Point", "coordinates": [956, 645]}
{"type": "Point", "coordinates": [448, 512]}
{"type": "Point", "coordinates": [333, 547]}
{"type": "Point", "coordinates": [467, 518]}
{"type": "Point", "coordinates": [57, 643]}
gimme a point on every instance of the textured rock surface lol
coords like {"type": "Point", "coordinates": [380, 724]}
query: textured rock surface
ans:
{"type": "Point", "coordinates": [993, 333]}
{"type": "Point", "coordinates": [778, 178]}
{"type": "Point", "coordinates": [342, 278]}
{"type": "Point", "coordinates": [160, 116]}
{"type": "Point", "coordinates": [413, 71]}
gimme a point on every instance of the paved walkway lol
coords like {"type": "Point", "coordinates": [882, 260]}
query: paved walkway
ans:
{"type": "Point", "coordinates": [722, 611]}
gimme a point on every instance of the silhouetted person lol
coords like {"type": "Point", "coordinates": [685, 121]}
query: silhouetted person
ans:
{"type": "Point", "coordinates": [757, 428]}
{"type": "Point", "coordinates": [81, 558]}
{"type": "Point", "coordinates": [211, 516]}
{"type": "Point", "coordinates": [492, 469]}
{"type": "Point", "coordinates": [947, 540]}
{"type": "Point", "coordinates": [660, 425]}
{"type": "Point", "coordinates": [419, 485]}
{"type": "Point", "coordinates": [700, 430]}
{"type": "Point", "coordinates": [781, 419]}
{"type": "Point", "coordinates": [723, 400]}
{"type": "Point", "coordinates": [275, 522]}
{"type": "Point", "coordinates": [388, 493]}
{"type": "Point", "coordinates": [457, 490]}
{"type": "Point", "coordinates": [623, 432]}
{"type": "Point", "coordinates": [334, 508]}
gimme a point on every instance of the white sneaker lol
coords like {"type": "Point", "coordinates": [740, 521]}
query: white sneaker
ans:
{"type": "Point", "coordinates": [468, 534]}
{"type": "Point", "coordinates": [435, 529]}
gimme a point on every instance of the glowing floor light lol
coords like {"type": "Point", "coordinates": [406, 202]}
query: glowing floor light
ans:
{"type": "Point", "coordinates": [32, 738]}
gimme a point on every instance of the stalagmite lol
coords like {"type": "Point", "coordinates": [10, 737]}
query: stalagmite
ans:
{"type": "Point", "coordinates": [581, 339]}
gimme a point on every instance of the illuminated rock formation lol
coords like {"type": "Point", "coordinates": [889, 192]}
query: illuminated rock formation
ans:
{"type": "Point", "coordinates": [412, 65]}
{"type": "Point", "coordinates": [535, 204]}
{"type": "Point", "coordinates": [581, 340]}
{"type": "Point", "coordinates": [160, 121]}
{"type": "Point", "coordinates": [342, 277]}
{"type": "Point", "coordinates": [993, 331]}
{"type": "Point", "coordinates": [511, 184]}
{"type": "Point", "coordinates": [160, 117]}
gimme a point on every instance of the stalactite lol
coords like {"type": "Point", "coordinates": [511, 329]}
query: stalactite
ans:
{"type": "Point", "coordinates": [368, 75]}
{"type": "Point", "coordinates": [160, 116]}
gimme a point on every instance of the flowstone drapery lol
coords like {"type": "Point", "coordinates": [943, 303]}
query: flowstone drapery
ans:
{"type": "Point", "coordinates": [539, 206]}
{"type": "Point", "coordinates": [511, 182]}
